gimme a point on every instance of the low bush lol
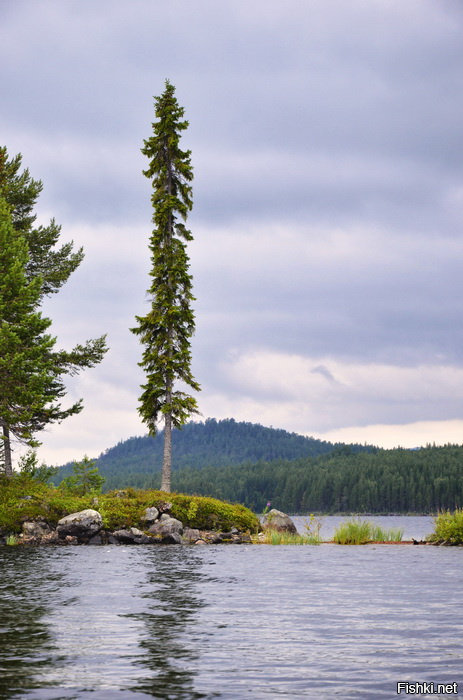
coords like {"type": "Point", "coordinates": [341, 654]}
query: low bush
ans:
{"type": "Point", "coordinates": [361, 531]}
{"type": "Point", "coordinates": [448, 527]}
{"type": "Point", "coordinates": [24, 498]}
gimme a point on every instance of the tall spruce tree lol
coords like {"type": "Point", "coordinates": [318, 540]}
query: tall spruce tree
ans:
{"type": "Point", "coordinates": [40, 264]}
{"type": "Point", "coordinates": [167, 328]}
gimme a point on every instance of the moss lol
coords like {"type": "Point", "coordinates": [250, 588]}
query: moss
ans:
{"type": "Point", "coordinates": [24, 498]}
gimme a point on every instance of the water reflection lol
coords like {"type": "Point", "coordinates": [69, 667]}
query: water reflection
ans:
{"type": "Point", "coordinates": [26, 643]}
{"type": "Point", "coordinates": [169, 644]}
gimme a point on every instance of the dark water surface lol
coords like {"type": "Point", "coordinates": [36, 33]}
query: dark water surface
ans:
{"type": "Point", "coordinates": [228, 621]}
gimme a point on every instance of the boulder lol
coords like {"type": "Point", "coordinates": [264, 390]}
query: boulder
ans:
{"type": "Point", "coordinates": [191, 535]}
{"type": "Point", "coordinates": [168, 530]}
{"type": "Point", "coordinates": [36, 529]}
{"type": "Point", "coordinates": [82, 525]}
{"type": "Point", "coordinates": [96, 540]}
{"type": "Point", "coordinates": [150, 515]}
{"type": "Point", "coordinates": [133, 536]}
{"type": "Point", "coordinates": [276, 520]}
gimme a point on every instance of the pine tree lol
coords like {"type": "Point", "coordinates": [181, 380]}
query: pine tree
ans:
{"type": "Point", "coordinates": [54, 265]}
{"type": "Point", "coordinates": [25, 347]}
{"type": "Point", "coordinates": [46, 268]}
{"type": "Point", "coordinates": [168, 326]}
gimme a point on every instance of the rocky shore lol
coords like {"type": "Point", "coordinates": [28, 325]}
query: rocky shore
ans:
{"type": "Point", "coordinates": [86, 527]}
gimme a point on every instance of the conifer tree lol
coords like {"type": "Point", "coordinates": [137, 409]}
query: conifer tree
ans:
{"type": "Point", "coordinates": [21, 192]}
{"type": "Point", "coordinates": [167, 328]}
{"type": "Point", "coordinates": [43, 269]}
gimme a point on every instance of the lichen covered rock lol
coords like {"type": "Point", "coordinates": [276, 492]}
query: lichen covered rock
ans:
{"type": "Point", "coordinates": [82, 525]}
{"type": "Point", "coordinates": [278, 521]}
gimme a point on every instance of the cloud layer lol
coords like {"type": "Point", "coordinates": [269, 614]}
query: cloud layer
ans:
{"type": "Point", "coordinates": [328, 201]}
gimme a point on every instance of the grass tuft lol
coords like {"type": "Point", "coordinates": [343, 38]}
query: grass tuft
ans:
{"type": "Point", "coordinates": [274, 537]}
{"type": "Point", "coordinates": [361, 531]}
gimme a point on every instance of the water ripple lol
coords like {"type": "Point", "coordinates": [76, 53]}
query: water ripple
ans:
{"type": "Point", "coordinates": [226, 621]}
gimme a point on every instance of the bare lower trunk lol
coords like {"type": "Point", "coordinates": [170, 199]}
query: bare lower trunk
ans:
{"type": "Point", "coordinates": [167, 459]}
{"type": "Point", "coordinates": [7, 450]}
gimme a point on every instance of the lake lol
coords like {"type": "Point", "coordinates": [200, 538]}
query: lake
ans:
{"type": "Point", "coordinates": [230, 621]}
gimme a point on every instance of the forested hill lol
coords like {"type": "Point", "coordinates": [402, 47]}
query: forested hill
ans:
{"type": "Point", "coordinates": [137, 461]}
{"type": "Point", "coordinates": [380, 481]}
{"type": "Point", "coordinates": [250, 464]}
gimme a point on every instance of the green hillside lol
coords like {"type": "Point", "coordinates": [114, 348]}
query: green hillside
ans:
{"type": "Point", "coordinates": [250, 464]}
{"type": "Point", "coordinates": [137, 461]}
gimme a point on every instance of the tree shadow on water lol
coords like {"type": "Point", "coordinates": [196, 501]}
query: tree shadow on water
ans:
{"type": "Point", "coordinates": [170, 647]}
{"type": "Point", "coordinates": [26, 642]}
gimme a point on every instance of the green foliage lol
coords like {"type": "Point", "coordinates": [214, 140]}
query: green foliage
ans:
{"type": "Point", "coordinates": [53, 266]}
{"type": "Point", "coordinates": [24, 498]}
{"type": "Point", "coordinates": [31, 369]}
{"type": "Point", "coordinates": [361, 531]}
{"type": "Point", "coordinates": [448, 527]}
{"type": "Point", "coordinates": [28, 464]}
{"type": "Point", "coordinates": [193, 511]}
{"type": "Point", "coordinates": [312, 527]}
{"type": "Point", "coordinates": [167, 328]}
{"type": "Point", "coordinates": [137, 461]}
{"type": "Point", "coordinates": [251, 464]}
{"type": "Point", "coordinates": [275, 538]}
{"type": "Point", "coordinates": [85, 480]}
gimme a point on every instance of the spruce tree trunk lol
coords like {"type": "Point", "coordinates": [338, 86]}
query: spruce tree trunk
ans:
{"type": "Point", "coordinates": [7, 450]}
{"type": "Point", "coordinates": [167, 458]}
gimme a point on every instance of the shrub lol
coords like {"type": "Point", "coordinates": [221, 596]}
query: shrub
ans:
{"type": "Point", "coordinates": [86, 478]}
{"type": "Point", "coordinates": [24, 498]}
{"type": "Point", "coordinates": [448, 527]}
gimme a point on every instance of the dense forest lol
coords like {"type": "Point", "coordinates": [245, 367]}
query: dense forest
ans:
{"type": "Point", "coordinates": [251, 464]}
{"type": "Point", "coordinates": [383, 481]}
{"type": "Point", "coordinates": [137, 461]}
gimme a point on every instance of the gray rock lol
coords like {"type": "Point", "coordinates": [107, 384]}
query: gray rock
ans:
{"type": "Point", "coordinates": [172, 538]}
{"type": "Point", "coordinates": [150, 515]}
{"type": "Point", "coordinates": [133, 536]}
{"type": "Point", "coordinates": [95, 540]}
{"type": "Point", "coordinates": [36, 528]}
{"type": "Point", "coordinates": [190, 535]}
{"type": "Point", "coordinates": [276, 520]}
{"type": "Point", "coordinates": [82, 525]}
{"type": "Point", "coordinates": [167, 530]}
{"type": "Point", "coordinates": [166, 526]}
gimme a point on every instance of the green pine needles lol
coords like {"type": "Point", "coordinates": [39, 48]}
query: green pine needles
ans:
{"type": "Point", "coordinates": [167, 328]}
{"type": "Point", "coordinates": [32, 370]}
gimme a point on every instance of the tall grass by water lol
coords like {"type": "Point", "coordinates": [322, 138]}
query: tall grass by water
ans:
{"type": "Point", "coordinates": [448, 527]}
{"type": "Point", "coordinates": [362, 531]}
{"type": "Point", "coordinates": [274, 537]}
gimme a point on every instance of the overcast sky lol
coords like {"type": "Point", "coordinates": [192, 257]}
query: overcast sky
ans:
{"type": "Point", "coordinates": [326, 140]}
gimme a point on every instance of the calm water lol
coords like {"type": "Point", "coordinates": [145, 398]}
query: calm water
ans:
{"type": "Point", "coordinates": [228, 621]}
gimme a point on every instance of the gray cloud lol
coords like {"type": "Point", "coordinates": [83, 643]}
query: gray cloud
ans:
{"type": "Point", "coordinates": [328, 190]}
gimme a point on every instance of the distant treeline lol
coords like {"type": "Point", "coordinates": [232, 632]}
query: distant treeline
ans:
{"type": "Point", "coordinates": [386, 481]}
{"type": "Point", "coordinates": [251, 464]}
